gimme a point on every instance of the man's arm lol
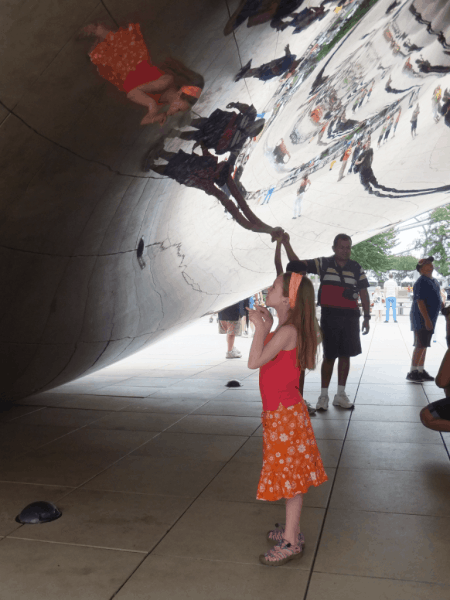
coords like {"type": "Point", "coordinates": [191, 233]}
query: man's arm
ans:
{"type": "Point", "coordinates": [424, 312]}
{"type": "Point", "coordinates": [365, 301]}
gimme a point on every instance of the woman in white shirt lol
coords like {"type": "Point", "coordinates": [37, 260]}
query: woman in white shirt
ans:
{"type": "Point", "coordinates": [377, 301]}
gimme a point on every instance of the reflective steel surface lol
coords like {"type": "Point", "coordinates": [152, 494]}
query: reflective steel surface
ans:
{"type": "Point", "coordinates": [112, 234]}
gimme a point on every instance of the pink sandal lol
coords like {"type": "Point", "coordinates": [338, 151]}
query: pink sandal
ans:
{"type": "Point", "coordinates": [281, 554]}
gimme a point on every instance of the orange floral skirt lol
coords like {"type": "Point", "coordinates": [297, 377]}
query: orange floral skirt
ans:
{"type": "Point", "coordinates": [291, 459]}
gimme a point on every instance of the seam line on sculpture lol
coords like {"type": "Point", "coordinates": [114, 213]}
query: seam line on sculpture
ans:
{"type": "Point", "coordinates": [89, 160]}
{"type": "Point", "coordinates": [322, 527]}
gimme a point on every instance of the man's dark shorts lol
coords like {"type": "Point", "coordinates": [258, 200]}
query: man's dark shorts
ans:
{"type": "Point", "coordinates": [422, 338]}
{"type": "Point", "coordinates": [340, 336]}
{"type": "Point", "coordinates": [440, 409]}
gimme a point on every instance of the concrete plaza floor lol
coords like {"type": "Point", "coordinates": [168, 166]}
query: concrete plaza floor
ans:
{"type": "Point", "coordinates": [154, 464]}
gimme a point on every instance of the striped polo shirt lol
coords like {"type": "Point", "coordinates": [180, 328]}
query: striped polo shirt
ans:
{"type": "Point", "coordinates": [332, 284]}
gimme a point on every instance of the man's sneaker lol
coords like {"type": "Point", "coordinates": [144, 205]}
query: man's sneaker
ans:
{"type": "Point", "coordinates": [426, 376]}
{"type": "Point", "coordinates": [415, 377]}
{"type": "Point", "coordinates": [322, 403]}
{"type": "Point", "coordinates": [233, 354]}
{"type": "Point", "coordinates": [342, 400]}
{"type": "Point", "coordinates": [386, 321]}
{"type": "Point", "coordinates": [311, 409]}
{"type": "Point", "coordinates": [395, 321]}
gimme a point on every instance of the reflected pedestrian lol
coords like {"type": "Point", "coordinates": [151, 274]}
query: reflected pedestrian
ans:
{"type": "Point", "coordinates": [304, 184]}
{"type": "Point", "coordinates": [344, 160]}
{"type": "Point", "coordinates": [399, 112]}
{"type": "Point", "coordinates": [414, 118]}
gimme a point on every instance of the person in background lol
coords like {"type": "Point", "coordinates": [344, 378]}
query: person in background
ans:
{"type": "Point", "coordinates": [427, 302]}
{"type": "Point", "coordinates": [341, 281]}
{"type": "Point", "coordinates": [230, 325]}
{"type": "Point", "coordinates": [243, 312]}
{"type": "Point", "coordinates": [391, 293]}
{"type": "Point", "coordinates": [377, 300]}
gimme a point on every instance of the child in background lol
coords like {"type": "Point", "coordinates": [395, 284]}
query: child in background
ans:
{"type": "Point", "coordinates": [291, 459]}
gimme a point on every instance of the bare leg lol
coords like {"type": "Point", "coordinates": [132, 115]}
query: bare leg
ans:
{"type": "Point", "coordinates": [422, 358]}
{"type": "Point", "coordinates": [432, 423]}
{"type": "Point", "coordinates": [418, 357]}
{"type": "Point", "coordinates": [343, 369]}
{"type": "Point", "coordinates": [293, 513]}
{"type": "Point", "coordinates": [230, 341]}
{"type": "Point", "coordinates": [327, 371]}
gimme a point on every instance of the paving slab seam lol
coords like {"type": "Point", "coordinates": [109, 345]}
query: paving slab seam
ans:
{"type": "Point", "coordinates": [181, 516]}
{"type": "Point", "coordinates": [74, 544]}
{"type": "Point", "coordinates": [313, 562]}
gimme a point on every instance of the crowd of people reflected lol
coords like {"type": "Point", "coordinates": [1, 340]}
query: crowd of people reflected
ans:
{"type": "Point", "coordinates": [321, 110]}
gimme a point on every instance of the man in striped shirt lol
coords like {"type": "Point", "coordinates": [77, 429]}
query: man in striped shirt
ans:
{"type": "Point", "coordinates": [341, 281]}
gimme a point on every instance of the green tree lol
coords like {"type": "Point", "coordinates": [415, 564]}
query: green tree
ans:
{"type": "Point", "coordinates": [435, 240]}
{"type": "Point", "coordinates": [373, 254]}
{"type": "Point", "coordinates": [403, 265]}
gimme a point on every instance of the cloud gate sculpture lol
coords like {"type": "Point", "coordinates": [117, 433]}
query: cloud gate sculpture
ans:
{"type": "Point", "coordinates": [150, 148]}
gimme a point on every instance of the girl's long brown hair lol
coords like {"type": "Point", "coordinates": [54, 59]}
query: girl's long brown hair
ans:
{"type": "Point", "coordinates": [303, 317]}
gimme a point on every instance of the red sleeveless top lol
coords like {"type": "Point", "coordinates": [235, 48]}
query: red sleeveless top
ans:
{"type": "Point", "coordinates": [279, 379]}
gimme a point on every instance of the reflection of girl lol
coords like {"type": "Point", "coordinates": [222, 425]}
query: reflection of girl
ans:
{"type": "Point", "coordinates": [377, 301]}
{"type": "Point", "coordinates": [291, 459]}
{"type": "Point", "coordinates": [122, 58]}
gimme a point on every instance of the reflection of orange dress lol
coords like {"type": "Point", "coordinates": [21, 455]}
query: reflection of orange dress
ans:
{"type": "Point", "coordinates": [123, 59]}
{"type": "Point", "coordinates": [291, 459]}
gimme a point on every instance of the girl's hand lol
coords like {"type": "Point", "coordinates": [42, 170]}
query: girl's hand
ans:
{"type": "Point", "coordinates": [260, 317]}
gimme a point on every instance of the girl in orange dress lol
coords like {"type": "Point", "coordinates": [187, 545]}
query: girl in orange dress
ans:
{"type": "Point", "coordinates": [291, 459]}
{"type": "Point", "coordinates": [122, 58]}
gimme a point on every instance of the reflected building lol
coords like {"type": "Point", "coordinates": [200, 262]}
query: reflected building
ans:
{"type": "Point", "coordinates": [101, 254]}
